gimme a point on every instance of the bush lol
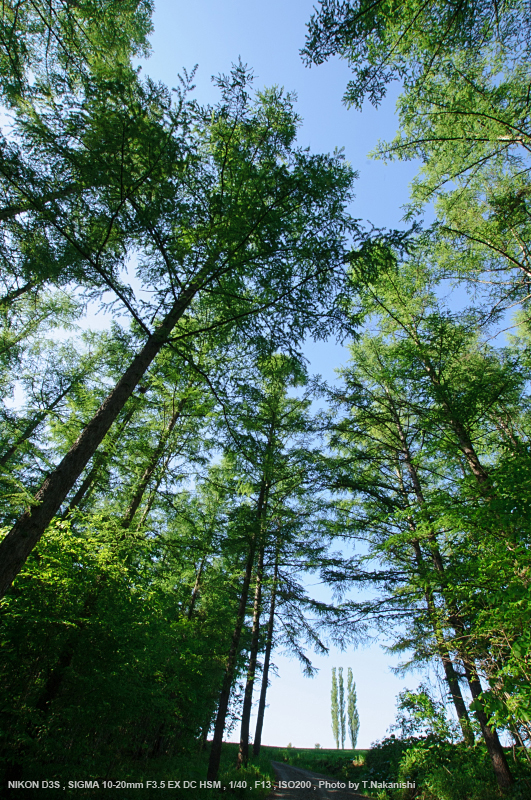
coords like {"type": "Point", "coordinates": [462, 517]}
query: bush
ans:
{"type": "Point", "coordinates": [440, 770]}
{"type": "Point", "coordinates": [249, 775]}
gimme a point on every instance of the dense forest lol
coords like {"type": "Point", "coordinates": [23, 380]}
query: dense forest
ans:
{"type": "Point", "coordinates": [169, 484]}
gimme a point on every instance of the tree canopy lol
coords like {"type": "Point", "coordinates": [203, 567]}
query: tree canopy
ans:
{"type": "Point", "coordinates": [170, 485]}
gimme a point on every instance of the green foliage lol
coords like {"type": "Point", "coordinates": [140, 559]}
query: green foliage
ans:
{"type": "Point", "coordinates": [419, 714]}
{"type": "Point", "coordinates": [335, 709]}
{"type": "Point", "coordinates": [341, 704]}
{"type": "Point", "coordinates": [99, 656]}
{"type": "Point", "coordinates": [80, 38]}
{"type": "Point", "coordinates": [410, 42]}
{"type": "Point", "coordinates": [353, 717]}
{"type": "Point", "coordinates": [440, 770]}
{"type": "Point", "coordinates": [464, 114]}
{"type": "Point", "coordinates": [119, 628]}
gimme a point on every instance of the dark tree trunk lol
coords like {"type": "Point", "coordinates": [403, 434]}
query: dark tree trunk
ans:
{"type": "Point", "coordinates": [243, 753]}
{"type": "Point", "coordinates": [28, 205]}
{"type": "Point", "coordinates": [223, 703]}
{"type": "Point", "coordinates": [442, 646]}
{"type": "Point", "coordinates": [98, 463]}
{"type": "Point", "coordinates": [452, 680]}
{"type": "Point", "coordinates": [195, 591]}
{"type": "Point", "coordinates": [152, 495]}
{"type": "Point", "coordinates": [463, 437]}
{"type": "Point", "coordinates": [55, 678]}
{"type": "Point", "coordinates": [151, 467]}
{"type": "Point", "coordinates": [15, 293]}
{"type": "Point", "coordinates": [224, 695]}
{"type": "Point", "coordinates": [29, 528]}
{"type": "Point", "coordinates": [490, 735]}
{"type": "Point", "coordinates": [265, 671]}
{"type": "Point", "coordinates": [444, 653]}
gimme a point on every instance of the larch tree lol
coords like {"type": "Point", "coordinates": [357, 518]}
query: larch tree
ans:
{"type": "Point", "coordinates": [240, 223]}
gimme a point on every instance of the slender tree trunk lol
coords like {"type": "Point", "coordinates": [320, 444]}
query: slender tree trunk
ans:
{"type": "Point", "coordinates": [224, 695]}
{"type": "Point", "coordinates": [517, 736]}
{"type": "Point", "coordinates": [195, 591]}
{"type": "Point", "coordinates": [243, 753]}
{"type": "Point", "coordinates": [444, 653]}
{"type": "Point", "coordinates": [223, 704]}
{"type": "Point", "coordinates": [507, 432]}
{"type": "Point", "coordinates": [98, 462]}
{"type": "Point", "coordinates": [442, 647]}
{"type": "Point", "coordinates": [463, 438]}
{"type": "Point", "coordinates": [448, 667]}
{"type": "Point", "coordinates": [29, 528]}
{"type": "Point", "coordinates": [451, 677]}
{"type": "Point", "coordinates": [204, 735]}
{"type": "Point", "coordinates": [265, 671]}
{"type": "Point", "coordinates": [153, 494]}
{"type": "Point", "coordinates": [18, 208]}
{"type": "Point", "coordinates": [151, 467]}
{"type": "Point", "coordinates": [490, 735]}
{"type": "Point", "coordinates": [87, 483]}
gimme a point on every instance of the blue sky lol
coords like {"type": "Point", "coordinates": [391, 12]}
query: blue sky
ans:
{"type": "Point", "coordinates": [268, 37]}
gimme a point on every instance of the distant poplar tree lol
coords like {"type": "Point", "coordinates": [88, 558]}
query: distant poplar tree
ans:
{"type": "Point", "coordinates": [335, 708]}
{"type": "Point", "coordinates": [353, 717]}
{"type": "Point", "coordinates": [342, 719]}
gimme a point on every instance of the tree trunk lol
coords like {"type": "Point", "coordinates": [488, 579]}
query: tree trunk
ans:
{"type": "Point", "coordinates": [195, 591]}
{"type": "Point", "coordinates": [223, 704]}
{"type": "Point", "coordinates": [243, 753]}
{"type": "Point", "coordinates": [19, 208]}
{"type": "Point", "coordinates": [151, 467]}
{"type": "Point", "coordinates": [15, 293]}
{"type": "Point", "coordinates": [57, 674]}
{"type": "Point", "coordinates": [444, 653]}
{"type": "Point", "coordinates": [25, 534]}
{"type": "Point", "coordinates": [442, 646]}
{"type": "Point", "coordinates": [453, 682]}
{"type": "Point", "coordinates": [99, 460]}
{"type": "Point", "coordinates": [463, 438]}
{"type": "Point", "coordinates": [152, 495]}
{"type": "Point", "coordinates": [265, 671]}
{"type": "Point", "coordinates": [490, 735]}
{"type": "Point", "coordinates": [224, 695]}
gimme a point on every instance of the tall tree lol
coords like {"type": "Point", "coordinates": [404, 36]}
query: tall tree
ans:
{"type": "Point", "coordinates": [334, 709]}
{"type": "Point", "coordinates": [250, 224]}
{"type": "Point", "coordinates": [341, 706]}
{"type": "Point", "coordinates": [353, 717]}
{"type": "Point", "coordinates": [427, 438]}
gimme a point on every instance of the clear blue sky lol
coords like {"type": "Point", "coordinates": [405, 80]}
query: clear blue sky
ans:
{"type": "Point", "coordinates": [268, 37]}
